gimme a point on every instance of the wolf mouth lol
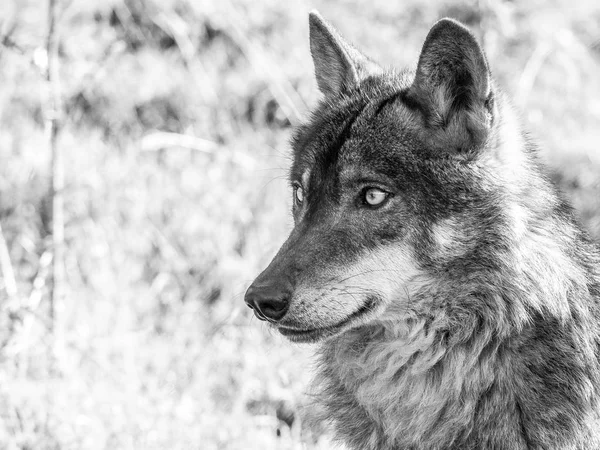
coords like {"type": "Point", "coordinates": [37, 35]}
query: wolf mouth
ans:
{"type": "Point", "coordinates": [312, 335]}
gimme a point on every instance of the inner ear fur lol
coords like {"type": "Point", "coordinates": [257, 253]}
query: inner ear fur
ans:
{"type": "Point", "coordinates": [339, 67]}
{"type": "Point", "coordinates": [453, 87]}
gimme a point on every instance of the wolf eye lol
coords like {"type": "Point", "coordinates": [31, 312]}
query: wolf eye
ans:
{"type": "Point", "coordinates": [375, 196]}
{"type": "Point", "coordinates": [298, 195]}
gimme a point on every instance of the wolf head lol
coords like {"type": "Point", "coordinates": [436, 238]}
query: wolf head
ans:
{"type": "Point", "coordinates": [396, 176]}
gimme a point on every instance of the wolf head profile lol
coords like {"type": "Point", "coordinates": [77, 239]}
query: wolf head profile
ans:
{"type": "Point", "coordinates": [395, 174]}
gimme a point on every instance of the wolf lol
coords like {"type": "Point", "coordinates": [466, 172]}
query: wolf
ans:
{"type": "Point", "coordinates": [453, 295]}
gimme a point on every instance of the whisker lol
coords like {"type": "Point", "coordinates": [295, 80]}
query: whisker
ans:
{"type": "Point", "coordinates": [363, 273]}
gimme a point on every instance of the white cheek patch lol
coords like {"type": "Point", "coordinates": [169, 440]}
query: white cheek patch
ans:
{"type": "Point", "coordinates": [387, 274]}
{"type": "Point", "coordinates": [448, 235]}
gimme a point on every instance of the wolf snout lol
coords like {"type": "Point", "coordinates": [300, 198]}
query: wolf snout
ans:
{"type": "Point", "coordinates": [269, 300]}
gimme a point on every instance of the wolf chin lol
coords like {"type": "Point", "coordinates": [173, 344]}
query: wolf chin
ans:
{"type": "Point", "coordinates": [453, 296]}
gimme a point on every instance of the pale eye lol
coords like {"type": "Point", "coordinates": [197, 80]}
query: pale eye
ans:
{"type": "Point", "coordinates": [375, 196]}
{"type": "Point", "coordinates": [298, 195]}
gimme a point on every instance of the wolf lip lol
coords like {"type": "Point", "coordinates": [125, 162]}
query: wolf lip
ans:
{"type": "Point", "coordinates": [316, 334]}
{"type": "Point", "coordinates": [305, 336]}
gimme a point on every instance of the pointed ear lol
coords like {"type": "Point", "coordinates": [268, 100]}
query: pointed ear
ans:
{"type": "Point", "coordinates": [453, 86]}
{"type": "Point", "coordinates": [339, 67]}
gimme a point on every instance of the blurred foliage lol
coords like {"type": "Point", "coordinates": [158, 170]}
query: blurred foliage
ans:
{"type": "Point", "coordinates": [176, 122]}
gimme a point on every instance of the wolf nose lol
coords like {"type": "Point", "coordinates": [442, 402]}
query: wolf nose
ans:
{"type": "Point", "coordinates": [269, 301]}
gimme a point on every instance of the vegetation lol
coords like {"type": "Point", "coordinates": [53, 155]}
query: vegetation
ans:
{"type": "Point", "coordinates": [174, 129]}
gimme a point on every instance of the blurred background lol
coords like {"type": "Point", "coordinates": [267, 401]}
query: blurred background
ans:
{"type": "Point", "coordinates": [170, 120]}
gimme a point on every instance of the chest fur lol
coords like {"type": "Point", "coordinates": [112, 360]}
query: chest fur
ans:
{"type": "Point", "coordinates": [416, 392]}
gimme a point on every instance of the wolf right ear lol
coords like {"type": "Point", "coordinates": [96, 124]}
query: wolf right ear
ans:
{"type": "Point", "coordinates": [453, 86]}
{"type": "Point", "coordinates": [339, 67]}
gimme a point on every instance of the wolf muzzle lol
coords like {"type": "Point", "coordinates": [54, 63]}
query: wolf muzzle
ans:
{"type": "Point", "coordinates": [307, 249]}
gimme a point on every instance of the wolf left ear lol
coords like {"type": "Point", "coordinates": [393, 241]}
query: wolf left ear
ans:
{"type": "Point", "coordinates": [339, 67]}
{"type": "Point", "coordinates": [453, 86]}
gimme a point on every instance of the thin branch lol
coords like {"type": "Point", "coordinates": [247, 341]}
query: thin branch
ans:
{"type": "Point", "coordinates": [291, 103]}
{"type": "Point", "coordinates": [530, 72]}
{"type": "Point", "coordinates": [29, 309]}
{"type": "Point", "coordinates": [8, 274]}
{"type": "Point", "coordinates": [160, 140]}
{"type": "Point", "coordinates": [39, 282]}
{"type": "Point", "coordinates": [58, 177]}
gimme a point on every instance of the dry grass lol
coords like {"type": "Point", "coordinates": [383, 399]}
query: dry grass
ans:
{"type": "Point", "coordinates": [177, 120]}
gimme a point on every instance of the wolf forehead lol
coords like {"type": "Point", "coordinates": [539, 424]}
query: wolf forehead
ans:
{"type": "Point", "coordinates": [375, 130]}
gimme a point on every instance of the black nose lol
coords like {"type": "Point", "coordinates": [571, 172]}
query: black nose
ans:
{"type": "Point", "coordinates": [269, 301]}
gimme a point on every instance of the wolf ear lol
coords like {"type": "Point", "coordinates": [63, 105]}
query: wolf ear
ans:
{"type": "Point", "coordinates": [339, 67]}
{"type": "Point", "coordinates": [453, 86]}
